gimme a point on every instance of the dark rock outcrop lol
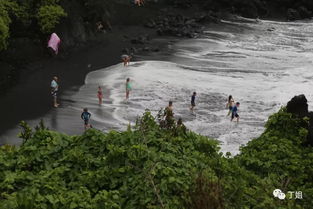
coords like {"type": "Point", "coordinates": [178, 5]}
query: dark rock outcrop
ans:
{"type": "Point", "coordinates": [143, 39]}
{"type": "Point", "coordinates": [181, 26]}
{"type": "Point", "coordinates": [298, 107]}
{"type": "Point", "coordinates": [293, 14]}
{"type": "Point", "coordinates": [304, 12]}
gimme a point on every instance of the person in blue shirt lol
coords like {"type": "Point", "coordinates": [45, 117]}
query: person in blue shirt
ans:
{"type": "Point", "coordinates": [235, 112]}
{"type": "Point", "coordinates": [86, 117]}
{"type": "Point", "coordinates": [54, 90]}
{"type": "Point", "coordinates": [193, 101]}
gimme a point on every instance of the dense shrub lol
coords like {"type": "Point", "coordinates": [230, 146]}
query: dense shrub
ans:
{"type": "Point", "coordinates": [49, 16]}
{"type": "Point", "coordinates": [151, 166]}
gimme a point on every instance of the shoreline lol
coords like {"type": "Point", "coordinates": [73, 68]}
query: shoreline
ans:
{"type": "Point", "coordinates": [31, 98]}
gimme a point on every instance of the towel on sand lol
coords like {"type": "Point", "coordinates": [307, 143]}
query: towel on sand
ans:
{"type": "Point", "coordinates": [54, 42]}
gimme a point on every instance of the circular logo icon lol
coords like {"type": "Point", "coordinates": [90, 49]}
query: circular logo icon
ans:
{"type": "Point", "coordinates": [281, 196]}
{"type": "Point", "coordinates": [276, 192]}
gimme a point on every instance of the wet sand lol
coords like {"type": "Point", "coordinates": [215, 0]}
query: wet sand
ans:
{"type": "Point", "coordinates": [31, 98]}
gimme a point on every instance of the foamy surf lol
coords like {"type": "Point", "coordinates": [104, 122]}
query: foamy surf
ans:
{"type": "Point", "coordinates": [263, 64]}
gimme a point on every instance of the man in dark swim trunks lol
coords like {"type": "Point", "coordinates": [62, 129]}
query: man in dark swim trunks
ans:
{"type": "Point", "coordinates": [193, 99]}
{"type": "Point", "coordinates": [86, 116]}
{"type": "Point", "coordinates": [235, 112]}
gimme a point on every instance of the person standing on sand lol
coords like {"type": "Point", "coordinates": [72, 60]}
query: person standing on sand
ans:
{"type": "Point", "coordinates": [126, 59]}
{"type": "Point", "coordinates": [128, 88]}
{"type": "Point", "coordinates": [230, 104]}
{"type": "Point", "coordinates": [86, 117]}
{"type": "Point", "coordinates": [54, 90]}
{"type": "Point", "coordinates": [235, 112]}
{"type": "Point", "coordinates": [193, 101]}
{"type": "Point", "coordinates": [100, 95]}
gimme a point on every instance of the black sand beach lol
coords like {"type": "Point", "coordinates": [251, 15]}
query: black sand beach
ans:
{"type": "Point", "coordinates": [31, 98]}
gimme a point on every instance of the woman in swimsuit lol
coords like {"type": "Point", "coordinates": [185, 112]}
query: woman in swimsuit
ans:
{"type": "Point", "coordinates": [100, 95]}
{"type": "Point", "coordinates": [230, 104]}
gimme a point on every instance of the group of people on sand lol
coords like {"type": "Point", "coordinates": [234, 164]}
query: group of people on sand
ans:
{"type": "Point", "coordinates": [85, 116]}
{"type": "Point", "coordinates": [128, 90]}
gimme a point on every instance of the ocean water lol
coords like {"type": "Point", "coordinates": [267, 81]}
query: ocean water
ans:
{"type": "Point", "coordinates": [262, 64]}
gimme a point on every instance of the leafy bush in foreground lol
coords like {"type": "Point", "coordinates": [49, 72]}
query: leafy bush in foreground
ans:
{"type": "Point", "coordinates": [156, 167]}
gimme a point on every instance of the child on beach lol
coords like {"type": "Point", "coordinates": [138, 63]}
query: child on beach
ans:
{"type": "Point", "coordinates": [235, 112]}
{"type": "Point", "coordinates": [180, 127]}
{"type": "Point", "coordinates": [193, 103]}
{"type": "Point", "coordinates": [168, 113]}
{"type": "Point", "coordinates": [128, 88]}
{"type": "Point", "coordinates": [230, 104]}
{"type": "Point", "coordinates": [86, 117]}
{"type": "Point", "coordinates": [100, 95]}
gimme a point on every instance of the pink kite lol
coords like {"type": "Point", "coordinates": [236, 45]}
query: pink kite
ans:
{"type": "Point", "coordinates": [54, 42]}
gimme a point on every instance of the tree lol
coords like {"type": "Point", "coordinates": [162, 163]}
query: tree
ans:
{"type": "Point", "coordinates": [49, 16]}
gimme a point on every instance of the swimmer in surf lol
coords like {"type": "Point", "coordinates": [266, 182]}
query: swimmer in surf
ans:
{"type": "Point", "coordinates": [235, 112]}
{"type": "Point", "coordinates": [193, 99]}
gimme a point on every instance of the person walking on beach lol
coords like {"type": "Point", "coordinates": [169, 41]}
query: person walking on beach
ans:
{"type": "Point", "coordinates": [230, 104]}
{"type": "Point", "coordinates": [100, 95]}
{"type": "Point", "coordinates": [235, 112]}
{"type": "Point", "coordinates": [193, 99]}
{"type": "Point", "coordinates": [86, 117]}
{"type": "Point", "coordinates": [126, 59]}
{"type": "Point", "coordinates": [128, 88]}
{"type": "Point", "coordinates": [54, 90]}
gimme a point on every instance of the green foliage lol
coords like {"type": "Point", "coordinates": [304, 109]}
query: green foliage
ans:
{"type": "Point", "coordinates": [153, 166]}
{"type": "Point", "coordinates": [142, 168]}
{"type": "Point", "coordinates": [279, 159]}
{"type": "Point", "coordinates": [47, 13]}
{"type": "Point", "coordinates": [7, 9]}
{"type": "Point", "coordinates": [27, 131]}
{"type": "Point", "coordinates": [4, 33]}
{"type": "Point", "coordinates": [49, 16]}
